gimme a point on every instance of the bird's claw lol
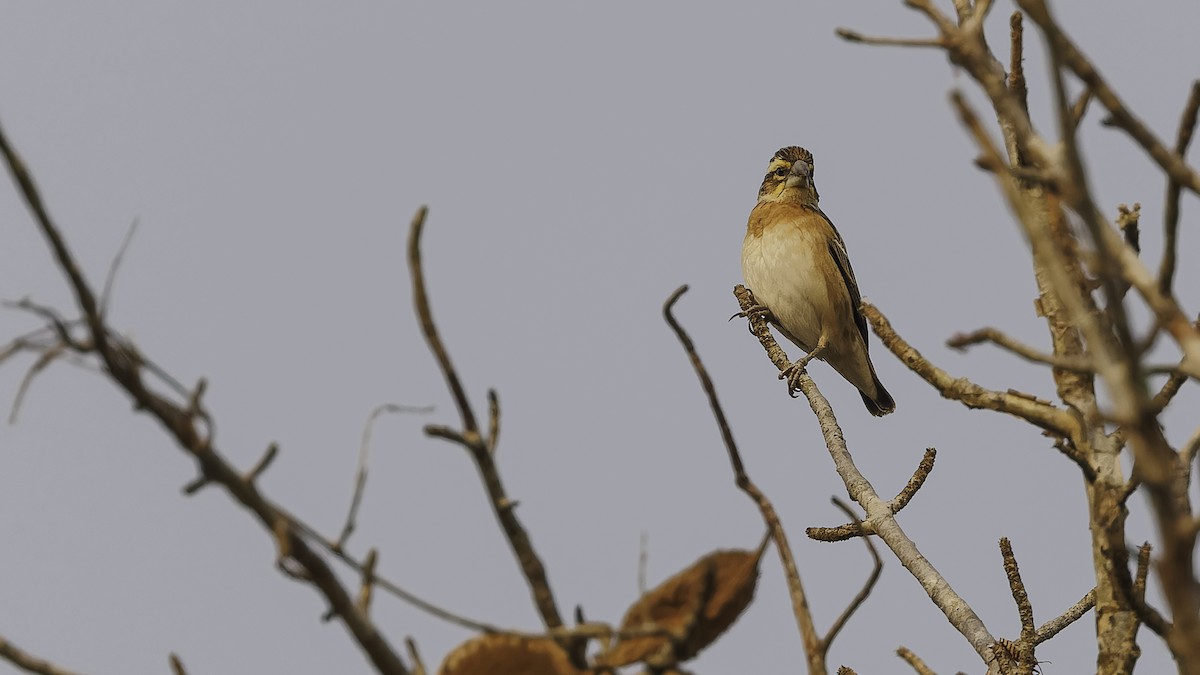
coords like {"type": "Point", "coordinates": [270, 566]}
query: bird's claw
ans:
{"type": "Point", "coordinates": [792, 374]}
{"type": "Point", "coordinates": [753, 310]}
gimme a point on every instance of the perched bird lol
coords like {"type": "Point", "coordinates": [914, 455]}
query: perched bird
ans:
{"type": "Point", "coordinates": [795, 263]}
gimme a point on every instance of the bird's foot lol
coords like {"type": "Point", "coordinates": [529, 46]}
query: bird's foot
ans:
{"type": "Point", "coordinates": [793, 372]}
{"type": "Point", "coordinates": [752, 311]}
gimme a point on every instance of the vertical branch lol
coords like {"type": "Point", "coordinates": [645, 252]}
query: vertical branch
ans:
{"type": "Point", "coordinates": [815, 648]}
{"type": "Point", "coordinates": [482, 450]}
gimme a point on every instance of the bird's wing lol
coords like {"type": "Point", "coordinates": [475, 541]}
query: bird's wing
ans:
{"type": "Point", "coordinates": [837, 250]}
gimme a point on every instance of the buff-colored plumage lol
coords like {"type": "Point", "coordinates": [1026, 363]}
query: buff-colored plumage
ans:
{"type": "Point", "coordinates": [795, 262]}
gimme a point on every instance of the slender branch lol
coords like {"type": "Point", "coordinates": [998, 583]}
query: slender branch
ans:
{"type": "Point", "coordinates": [483, 455]}
{"type": "Point", "coordinates": [1073, 363]}
{"type": "Point", "coordinates": [360, 474]}
{"type": "Point", "coordinates": [429, 330]}
{"type": "Point", "coordinates": [868, 585]}
{"type": "Point", "coordinates": [812, 642]}
{"type": "Point", "coordinates": [113, 267]}
{"type": "Point", "coordinates": [966, 392]}
{"type": "Point", "coordinates": [28, 662]}
{"type": "Point", "coordinates": [1187, 126]}
{"type": "Point", "coordinates": [1055, 625]}
{"type": "Point", "coordinates": [914, 661]}
{"type": "Point", "coordinates": [857, 528]}
{"type": "Point", "coordinates": [176, 664]}
{"type": "Point", "coordinates": [1171, 163]}
{"type": "Point", "coordinates": [879, 513]}
{"type": "Point", "coordinates": [125, 367]}
{"type": "Point", "coordinates": [1017, 588]}
{"type": "Point", "coordinates": [854, 36]}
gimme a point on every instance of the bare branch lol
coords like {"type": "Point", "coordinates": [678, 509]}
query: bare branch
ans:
{"type": "Point", "coordinates": [360, 474]}
{"type": "Point", "coordinates": [854, 36]}
{"type": "Point", "coordinates": [857, 528]}
{"type": "Point", "coordinates": [915, 661]}
{"type": "Point", "coordinates": [1017, 587]}
{"type": "Point", "coordinates": [879, 513]}
{"type": "Point", "coordinates": [125, 364]}
{"type": "Point", "coordinates": [1172, 164]}
{"type": "Point", "coordinates": [813, 648]}
{"type": "Point", "coordinates": [868, 585]}
{"type": "Point", "coordinates": [111, 277]}
{"type": "Point", "coordinates": [1055, 625]}
{"type": "Point", "coordinates": [1187, 125]}
{"type": "Point", "coordinates": [263, 463]}
{"type": "Point", "coordinates": [963, 340]}
{"type": "Point", "coordinates": [28, 662]}
{"type": "Point", "coordinates": [429, 330]}
{"type": "Point", "coordinates": [176, 664]}
{"type": "Point", "coordinates": [414, 656]}
{"type": "Point", "coordinates": [960, 389]}
{"type": "Point", "coordinates": [483, 456]}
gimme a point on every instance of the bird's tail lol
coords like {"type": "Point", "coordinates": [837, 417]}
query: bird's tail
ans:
{"type": "Point", "coordinates": [882, 403]}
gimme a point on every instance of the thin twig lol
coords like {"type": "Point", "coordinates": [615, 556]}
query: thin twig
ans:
{"type": "Point", "coordinates": [1187, 125]}
{"type": "Point", "coordinates": [879, 513]}
{"type": "Point", "coordinates": [966, 392]}
{"type": "Point", "coordinates": [1170, 162]}
{"type": "Point", "coordinates": [914, 661]}
{"type": "Point", "coordinates": [360, 474]}
{"type": "Point", "coordinates": [854, 36]}
{"type": "Point", "coordinates": [125, 365]}
{"type": "Point", "coordinates": [176, 664]}
{"type": "Point", "coordinates": [1055, 625]}
{"type": "Point", "coordinates": [471, 440]}
{"type": "Point", "coordinates": [28, 662]}
{"type": "Point", "coordinates": [808, 632]}
{"type": "Point", "coordinates": [111, 277]}
{"type": "Point", "coordinates": [868, 585]}
{"type": "Point", "coordinates": [1017, 588]}
{"type": "Point", "coordinates": [963, 340]}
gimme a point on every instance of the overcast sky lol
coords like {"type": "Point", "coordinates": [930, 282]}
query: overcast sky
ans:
{"type": "Point", "coordinates": [580, 162]}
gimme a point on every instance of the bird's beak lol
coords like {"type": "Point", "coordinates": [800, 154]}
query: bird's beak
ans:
{"type": "Point", "coordinates": [799, 175]}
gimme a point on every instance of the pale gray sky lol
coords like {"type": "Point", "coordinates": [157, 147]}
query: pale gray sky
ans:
{"type": "Point", "coordinates": [580, 163]}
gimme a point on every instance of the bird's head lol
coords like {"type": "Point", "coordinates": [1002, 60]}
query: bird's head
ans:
{"type": "Point", "coordinates": [789, 177]}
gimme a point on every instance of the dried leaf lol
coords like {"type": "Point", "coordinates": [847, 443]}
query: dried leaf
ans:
{"type": "Point", "coordinates": [694, 607]}
{"type": "Point", "coordinates": [507, 655]}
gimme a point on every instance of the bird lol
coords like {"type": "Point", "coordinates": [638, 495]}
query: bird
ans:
{"type": "Point", "coordinates": [795, 263]}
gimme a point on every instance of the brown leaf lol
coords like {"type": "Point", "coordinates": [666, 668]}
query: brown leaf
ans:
{"type": "Point", "coordinates": [508, 655]}
{"type": "Point", "coordinates": [694, 607]}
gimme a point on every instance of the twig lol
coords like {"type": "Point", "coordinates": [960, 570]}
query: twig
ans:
{"type": "Point", "coordinates": [854, 36]}
{"type": "Point", "coordinates": [857, 528]}
{"type": "Point", "coordinates": [963, 340]}
{"type": "Point", "coordinates": [1017, 588]}
{"type": "Point", "coordinates": [28, 662]}
{"type": "Point", "coordinates": [110, 278]}
{"type": "Point", "coordinates": [868, 585]}
{"type": "Point", "coordinates": [125, 367]}
{"type": "Point", "coordinates": [483, 456]}
{"type": "Point", "coordinates": [1055, 625]}
{"type": "Point", "coordinates": [1187, 125]}
{"type": "Point", "coordinates": [915, 661]}
{"type": "Point", "coordinates": [808, 632]}
{"type": "Point", "coordinates": [429, 330]}
{"type": "Point", "coordinates": [643, 555]}
{"type": "Point", "coordinates": [176, 664]}
{"type": "Point", "coordinates": [414, 656]}
{"type": "Point", "coordinates": [954, 607]}
{"type": "Point", "coordinates": [966, 392]}
{"type": "Point", "coordinates": [1171, 163]}
{"type": "Point", "coordinates": [263, 463]}
{"type": "Point", "coordinates": [360, 474]}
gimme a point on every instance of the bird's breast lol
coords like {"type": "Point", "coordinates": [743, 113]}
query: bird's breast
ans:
{"type": "Point", "coordinates": [790, 271]}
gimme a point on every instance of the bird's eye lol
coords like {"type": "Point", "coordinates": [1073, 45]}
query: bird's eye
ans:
{"type": "Point", "coordinates": [781, 172]}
